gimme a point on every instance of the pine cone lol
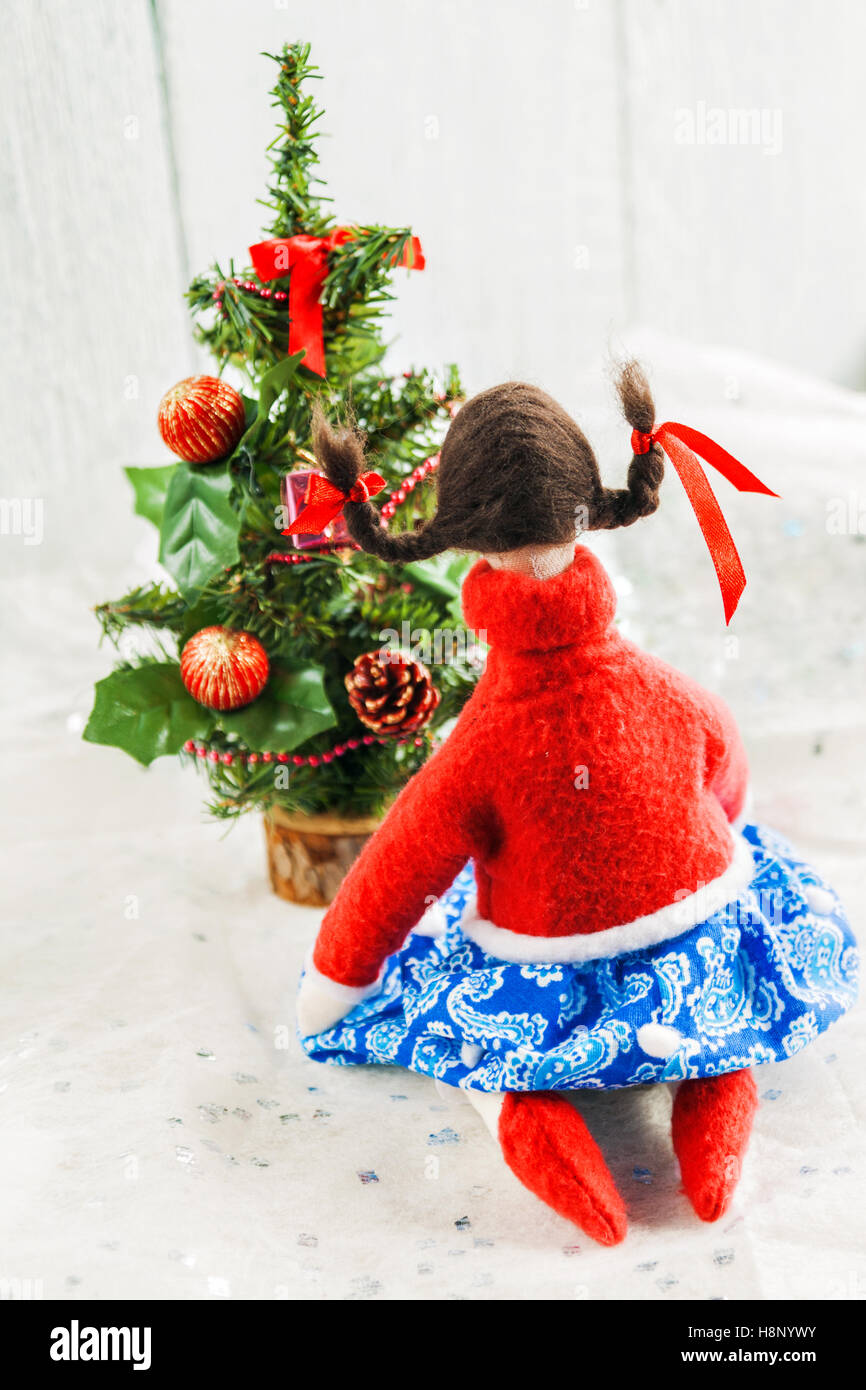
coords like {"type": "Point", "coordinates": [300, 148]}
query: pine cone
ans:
{"type": "Point", "coordinates": [396, 696]}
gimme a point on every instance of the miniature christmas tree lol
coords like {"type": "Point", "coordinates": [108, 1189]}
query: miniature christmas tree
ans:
{"type": "Point", "coordinates": [270, 626]}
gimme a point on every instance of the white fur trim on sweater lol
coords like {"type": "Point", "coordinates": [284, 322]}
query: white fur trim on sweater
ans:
{"type": "Point", "coordinates": [347, 994]}
{"type": "Point", "coordinates": [669, 921]}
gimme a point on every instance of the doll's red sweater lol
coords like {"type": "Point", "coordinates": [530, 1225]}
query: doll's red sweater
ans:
{"type": "Point", "coordinates": [591, 783]}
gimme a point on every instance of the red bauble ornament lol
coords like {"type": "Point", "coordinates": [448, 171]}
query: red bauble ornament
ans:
{"type": "Point", "coordinates": [224, 669]}
{"type": "Point", "coordinates": [201, 418]}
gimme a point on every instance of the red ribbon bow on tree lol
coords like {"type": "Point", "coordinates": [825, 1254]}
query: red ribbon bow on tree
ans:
{"type": "Point", "coordinates": [323, 502]}
{"type": "Point", "coordinates": [305, 260]}
{"type": "Point", "coordinates": [681, 444]}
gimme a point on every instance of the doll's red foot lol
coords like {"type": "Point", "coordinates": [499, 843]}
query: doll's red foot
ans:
{"type": "Point", "coordinates": [712, 1121]}
{"type": "Point", "coordinates": [549, 1148]}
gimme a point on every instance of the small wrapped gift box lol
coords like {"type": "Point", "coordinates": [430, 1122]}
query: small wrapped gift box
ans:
{"type": "Point", "coordinates": [293, 490]}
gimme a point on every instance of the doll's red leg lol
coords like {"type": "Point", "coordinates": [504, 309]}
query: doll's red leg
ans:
{"type": "Point", "coordinates": [712, 1121]}
{"type": "Point", "coordinates": [549, 1148]}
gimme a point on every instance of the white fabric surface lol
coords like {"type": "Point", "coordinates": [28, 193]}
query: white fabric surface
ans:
{"type": "Point", "coordinates": [162, 1133]}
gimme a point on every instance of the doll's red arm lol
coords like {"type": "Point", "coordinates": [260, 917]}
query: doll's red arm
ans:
{"type": "Point", "coordinates": [727, 773]}
{"type": "Point", "coordinates": [417, 852]}
{"type": "Point", "coordinates": [726, 769]}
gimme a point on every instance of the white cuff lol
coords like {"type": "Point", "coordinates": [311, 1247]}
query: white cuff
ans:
{"type": "Point", "coordinates": [433, 923]}
{"type": "Point", "coordinates": [345, 994]}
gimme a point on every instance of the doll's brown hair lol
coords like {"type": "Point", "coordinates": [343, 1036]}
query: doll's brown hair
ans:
{"type": "Point", "coordinates": [514, 469]}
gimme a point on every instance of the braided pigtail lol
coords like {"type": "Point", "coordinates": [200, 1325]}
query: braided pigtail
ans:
{"type": "Point", "coordinates": [640, 497]}
{"type": "Point", "coordinates": [340, 454]}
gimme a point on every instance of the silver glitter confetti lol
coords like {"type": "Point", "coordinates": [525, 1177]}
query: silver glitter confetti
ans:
{"type": "Point", "coordinates": [212, 1114]}
{"type": "Point", "coordinates": [444, 1136]}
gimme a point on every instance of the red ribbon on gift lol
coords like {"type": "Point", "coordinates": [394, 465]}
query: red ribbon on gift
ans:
{"type": "Point", "coordinates": [682, 444]}
{"type": "Point", "coordinates": [323, 502]}
{"type": "Point", "coordinates": [305, 260]}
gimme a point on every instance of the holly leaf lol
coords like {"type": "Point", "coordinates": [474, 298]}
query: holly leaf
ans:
{"type": "Point", "coordinates": [150, 486]}
{"type": "Point", "coordinates": [442, 578]}
{"type": "Point", "coordinates": [199, 533]}
{"type": "Point", "coordinates": [436, 576]}
{"type": "Point", "coordinates": [292, 708]}
{"type": "Point", "coordinates": [147, 712]}
{"type": "Point", "coordinates": [276, 380]}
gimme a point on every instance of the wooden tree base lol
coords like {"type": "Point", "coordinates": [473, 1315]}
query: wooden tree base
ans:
{"type": "Point", "coordinates": [309, 856]}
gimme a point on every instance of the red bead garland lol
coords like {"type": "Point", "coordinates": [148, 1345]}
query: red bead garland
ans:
{"type": "Point", "coordinates": [201, 750]}
{"type": "Point", "coordinates": [408, 485]}
{"type": "Point", "coordinates": [263, 292]}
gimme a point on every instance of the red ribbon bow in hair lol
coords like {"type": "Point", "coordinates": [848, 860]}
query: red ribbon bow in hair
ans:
{"type": "Point", "coordinates": [305, 260]}
{"type": "Point", "coordinates": [323, 502]}
{"type": "Point", "coordinates": [681, 444]}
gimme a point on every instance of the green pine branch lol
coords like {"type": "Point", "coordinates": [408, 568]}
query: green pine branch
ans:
{"type": "Point", "coordinates": [293, 152]}
{"type": "Point", "coordinates": [154, 606]}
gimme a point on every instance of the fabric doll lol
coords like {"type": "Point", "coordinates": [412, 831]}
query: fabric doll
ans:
{"type": "Point", "coordinates": [611, 916]}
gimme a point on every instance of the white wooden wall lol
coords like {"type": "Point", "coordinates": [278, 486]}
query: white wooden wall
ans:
{"type": "Point", "coordinates": [94, 327]}
{"type": "Point", "coordinates": [747, 245]}
{"type": "Point", "coordinates": [534, 148]}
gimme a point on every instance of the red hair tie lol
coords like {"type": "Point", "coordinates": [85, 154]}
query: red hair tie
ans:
{"type": "Point", "coordinates": [323, 502]}
{"type": "Point", "coordinates": [681, 444]}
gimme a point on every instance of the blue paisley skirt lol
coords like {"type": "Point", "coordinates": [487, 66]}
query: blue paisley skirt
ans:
{"type": "Point", "coordinates": [755, 982]}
